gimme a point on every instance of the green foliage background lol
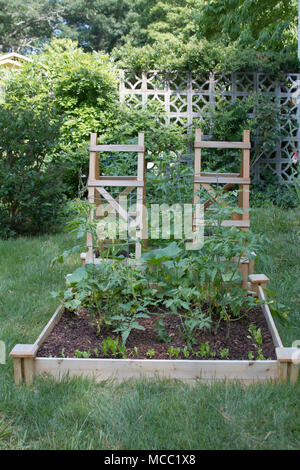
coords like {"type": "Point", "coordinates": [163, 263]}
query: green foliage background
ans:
{"type": "Point", "coordinates": [71, 89]}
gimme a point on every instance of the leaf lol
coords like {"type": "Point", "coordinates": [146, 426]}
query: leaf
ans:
{"type": "Point", "coordinates": [185, 305]}
{"type": "Point", "coordinates": [78, 275]}
{"type": "Point", "coordinates": [228, 277]}
{"type": "Point", "coordinates": [159, 255]}
{"type": "Point", "coordinates": [55, 294]}
{"type": "Point", "coordinates": [137, 326]}
{"type": "Point", "coordinates": [125, 335]}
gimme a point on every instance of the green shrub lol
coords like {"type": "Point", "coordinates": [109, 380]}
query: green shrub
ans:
{"type": "Point", "coordinates": [31, 186]}
{"type": "Point", "coordinates": [81, 91]}
{"type": "Point", "coordinates": [266, 194]}
{"type": "Point", "coordinates": [201, 55]}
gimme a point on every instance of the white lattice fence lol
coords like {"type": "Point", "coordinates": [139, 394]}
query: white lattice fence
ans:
{"type": "Point", "coordinates": [187, 96]}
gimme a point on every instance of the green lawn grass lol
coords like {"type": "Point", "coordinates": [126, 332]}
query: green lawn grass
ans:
{"type": "Point", "coordinates": [80, 414]}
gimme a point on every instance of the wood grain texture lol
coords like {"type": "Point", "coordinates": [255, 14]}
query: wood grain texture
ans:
{"type": "Point", "coordinates": [221, 145]}
{"type": "Point", "coordinates": [117, 148]}
{"type": "Point", "coordinates": [185, 370]}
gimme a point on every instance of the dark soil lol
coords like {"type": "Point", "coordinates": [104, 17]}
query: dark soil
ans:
{"type": "Point", "coordinates": [76, 332]}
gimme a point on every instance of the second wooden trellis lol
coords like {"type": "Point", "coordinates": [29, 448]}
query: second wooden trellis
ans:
{"type": "Point", "coordinates": [229, 180]}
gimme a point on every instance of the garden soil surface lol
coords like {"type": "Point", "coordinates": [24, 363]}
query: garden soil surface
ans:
{"type": "Point", "coordinates": [77, 332]}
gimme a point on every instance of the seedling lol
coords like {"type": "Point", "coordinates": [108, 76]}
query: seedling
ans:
{"type": "Point", "coordinates": [82, 354]}
{"type": "Point", "coordinates": [204, 350]}
{"type": "Point", "coordinates": [162, 333]}
{"type": "Point", "coordinates": [173, 352]}
{"type": "Point", "coordinates": [135, 351]}
{"type": "Point", "coordinates": [224, 353]}
{"type": "Point", "coordinates": [256, 335]}
{"type": "Point", "coordinates": [112, 345]}
{"type": "Point", "coordinates": [150, 353]}
{"type": "Point", "coordinates": [186, 352]}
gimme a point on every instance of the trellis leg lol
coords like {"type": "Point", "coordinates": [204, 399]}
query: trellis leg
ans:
{"type": "Point", "coordinates": [93, 174]}
{"type": "Point", "coordinates": [197, 170]}
{"type": "Point", "coordinates": [244, 270]}
{"type": "Point", "coordinates": [244, 194]}
{"type": "Point", "coordinates": [244, 198]}
{"type": "Point", "coordinates": [141, 218]}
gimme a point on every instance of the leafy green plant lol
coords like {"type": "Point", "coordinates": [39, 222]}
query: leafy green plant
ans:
{"type": "Point", "coordinates": [224, 353]}
{"type": "Point", "coordinates": [186, 352]}
{"type": "Point", "coordinates": [215, 269]}
{"type": "Point", "coordinates": [204, 350]}
{"type": "Point", "coordinates": [82, 354]}
{"type": "Point", "coordinates": [173, 352]}
{"type": "Point", "coordinates": [191, 322]}
{"type": "Point", "coordinates": [150, 353]}
{"type": "Point", "coordinates": [194, 286]}
{"type": "Point", "coordinates": [128, 323]}
{"type": "Point", "coordinates": [255, 333]}
{"type": "Point", "coordinates": [162, 333]}
{"type": "Point", "coordinates": [278, 309]}
{"type": "Point", "coordinates": [250, 356]}
{"type": "Point", "coordinates": [135, 351]}
{"type": "Point", "coordinates": [110, 345]}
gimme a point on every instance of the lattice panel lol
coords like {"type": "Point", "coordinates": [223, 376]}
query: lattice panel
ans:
{"type": "Point", "coordinates": [186, 97]}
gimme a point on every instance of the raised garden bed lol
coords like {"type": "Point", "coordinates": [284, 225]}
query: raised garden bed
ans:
{"type": "Point", "coordinates": [65, 334]}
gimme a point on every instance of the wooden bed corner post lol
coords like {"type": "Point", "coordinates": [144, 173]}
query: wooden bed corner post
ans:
{"type": "Point", "coordinates": [290, 359]}
{"type": "Point", "coordinates": [257, 280]}
{"type": "Point", "coordinates": [23, 356]}
{"type": "Point", "coordinates": [142, 219]}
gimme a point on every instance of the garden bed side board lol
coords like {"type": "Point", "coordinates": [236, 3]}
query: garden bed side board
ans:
{"type": "Point", "coordinates": [27, 365]}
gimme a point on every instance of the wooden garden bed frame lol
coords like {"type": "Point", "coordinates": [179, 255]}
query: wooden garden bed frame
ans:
{"type": "Point", "coordinates": [27, 365]}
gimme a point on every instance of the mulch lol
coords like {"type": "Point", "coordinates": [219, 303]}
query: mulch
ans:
{"type": "Point", "coordinates": [77, 332]}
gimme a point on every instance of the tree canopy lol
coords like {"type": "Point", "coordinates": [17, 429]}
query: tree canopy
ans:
{"type": "Point", "coordinates": [271, 24]}
{"type": "Point", "coordinates": [95, 24]}
{"type": "Point", "coordinates": [153, 32]}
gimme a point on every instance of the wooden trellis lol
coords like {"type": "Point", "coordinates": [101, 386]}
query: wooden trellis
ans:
{"type": "Point", "coordinates": [229, 180]}
{"type": "Point", "coordinates": [96, 191]}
